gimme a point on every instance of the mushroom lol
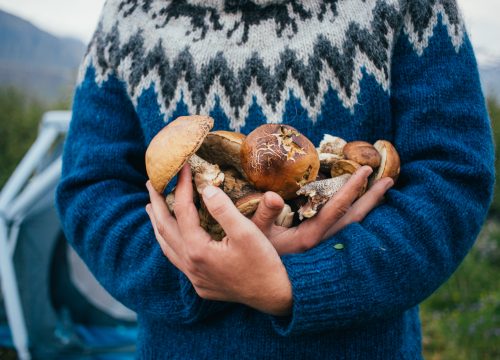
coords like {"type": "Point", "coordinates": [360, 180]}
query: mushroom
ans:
{"type": "Point", "coordinates": [175, 145]}
{"type": "Point", "coordinates": [363, 153]}
{"type": "Point", "coordinates": [389, 164]}
{"type": "Point", "coordinates": [326, 161]}
{"type": "Point", "coordinates": [248, 204]}
{"type": "Point", "coordinates": [278, 158]}
{"type": "Point", "coordinates": [332, 145]}
{"type": "Point", "coordinates": [234, 186]}
{"type": "Point", "coordinates": [318, 193]}
{"type": "Point", "coordinates": [223, 148]}
{"type": "Point", "coordinates": [343, 166]}
{"type": "Point", "coordinates": [330, 149]}
{"type": "Point", "coordinates": [285, 218]}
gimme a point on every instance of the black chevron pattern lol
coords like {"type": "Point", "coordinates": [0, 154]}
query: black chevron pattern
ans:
{"type": "Point", "coordinates": [373, 42]}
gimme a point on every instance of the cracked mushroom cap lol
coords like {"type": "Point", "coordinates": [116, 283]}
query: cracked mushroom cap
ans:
{"type": "Point", "coordinates": [277, 157]}
{"type": "Point", "coordinates": [172, 147]}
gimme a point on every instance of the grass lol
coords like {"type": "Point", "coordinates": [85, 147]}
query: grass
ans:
{"type": "Point", "coordinates": [461, 321]}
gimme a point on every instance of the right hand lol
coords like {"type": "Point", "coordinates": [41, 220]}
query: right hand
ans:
{"type": "Point", "coordinates": [341, 210]}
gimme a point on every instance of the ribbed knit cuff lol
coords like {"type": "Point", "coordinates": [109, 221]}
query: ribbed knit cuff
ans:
{"type": "Point", "coordinates": [196, 308]}
{"type": "Point", "coordinates": [318, 287]}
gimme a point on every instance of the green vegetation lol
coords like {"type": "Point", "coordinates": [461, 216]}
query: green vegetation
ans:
{"type": "Point", "coordinates": [19, 119]}
{"type": "Point", "coordinates": [494, 109]}
{"type": "Point", "coordinates": [461, 321]}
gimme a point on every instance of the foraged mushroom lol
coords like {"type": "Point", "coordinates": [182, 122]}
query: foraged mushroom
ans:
{"type": "Point", "coordinates": [248, 204]}
{"type": "Point", "coordinates": [332, 145]}
{"type": "Point", "coordinates": [326, 160]}
{"type": "Point", "coordinates": [363, 153]}
{"type": "Point", "coordinates": [278, 158]}
{"type": "Point", "coordinates": [285, 218]}
{"type": "Point", "coordinates": [390, 162]}
{"type": "Point", "coordinates": [234, 186]}
{"type": "Point", "coordinates": [175, 145]}
{"type": "Point", "coordinates": [223, 148]}
{"type": "Point", "coordinates": [344, 166]}
{"type": "Point", "coordinates": [318, 193]}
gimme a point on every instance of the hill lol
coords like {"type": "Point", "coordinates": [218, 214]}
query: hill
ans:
{"type": "Point", "coordinates": [36, 61]}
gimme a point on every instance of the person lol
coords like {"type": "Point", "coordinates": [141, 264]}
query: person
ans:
{"type": "Point", "coordinates": [346, 287]}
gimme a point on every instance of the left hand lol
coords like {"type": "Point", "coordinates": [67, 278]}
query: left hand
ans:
{"type": "Point", "coordinates": [244, 267]}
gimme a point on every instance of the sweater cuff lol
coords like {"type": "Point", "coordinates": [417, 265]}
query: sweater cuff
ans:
{"type": "Point", "coordinates": [196, 308]}
{"type": "Point", "coordinates": [317, 287]}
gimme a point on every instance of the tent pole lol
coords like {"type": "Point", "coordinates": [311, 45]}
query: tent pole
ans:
{"type": "Point", "coordinates": [15, 315]}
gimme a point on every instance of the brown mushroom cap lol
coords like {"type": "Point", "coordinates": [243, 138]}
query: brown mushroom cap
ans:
{"type": "Point", "coordinates": [390, 162]}
{"type": "Point", "coordinates": [222, 148]}
{"type": "Point", "coordinates": [276, 157]}
{"type": "Point", "coordinates": [248, 204]}
{"type": "Point", "coordinates": [173, 146]}
{"type": "Point", "coordinates": [363, 153]}
{"type": "Point", "coordinates": [343, 166]}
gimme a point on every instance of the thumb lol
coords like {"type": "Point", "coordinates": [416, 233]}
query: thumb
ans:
{"type": "Point", "coordinates": [268, 210]}
{"type": "Point", "coordinates": [223, 211]}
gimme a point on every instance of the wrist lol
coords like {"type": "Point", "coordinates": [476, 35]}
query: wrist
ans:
{"type": "Point", "coordinates": [277, 299]}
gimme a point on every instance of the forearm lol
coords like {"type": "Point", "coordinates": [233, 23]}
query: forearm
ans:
{"type": "Point", "coordinates": [101, 200]}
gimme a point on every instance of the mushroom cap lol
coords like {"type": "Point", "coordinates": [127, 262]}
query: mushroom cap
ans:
{"type": "Point", "coordinates": [363, 153]}
{"type": "Point", "coordinates": [390, 162]}
{"type": "Point", "coordinates": [248, 204]}
{"type": "Point", "coordinates": [222, 148]}
{"type": "Point", "coordinates": [277, 157]}
{"type": "Point", "coordinates": [169, 150]}
{"type": "Point", "coordinates": [343, 166]}
{"type": "Point", "coordinates": [332, 145]}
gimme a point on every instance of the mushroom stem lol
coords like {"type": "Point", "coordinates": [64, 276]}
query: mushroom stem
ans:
{"type": "Point", "coordinates": [205, 173]}
{"type": "Point", "coordinates": [285, 218]}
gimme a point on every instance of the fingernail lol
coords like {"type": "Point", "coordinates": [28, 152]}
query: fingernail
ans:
{"type": "Point", "coordinates": [210, 191]}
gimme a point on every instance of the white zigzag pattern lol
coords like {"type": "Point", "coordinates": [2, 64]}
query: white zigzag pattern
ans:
{"type": "Point", "coordinates": [455, 32]}
{"type": "Point", "coordinates": [328, 80]}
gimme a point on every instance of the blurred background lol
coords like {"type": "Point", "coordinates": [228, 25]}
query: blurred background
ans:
{"type": "Point", "coordinates": [41, 45]}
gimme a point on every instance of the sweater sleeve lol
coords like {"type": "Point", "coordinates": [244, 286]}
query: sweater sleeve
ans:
{"type": "Point", "coordinates": [407, 247]}
{"type": "Point", "coordinates": [101, 201]}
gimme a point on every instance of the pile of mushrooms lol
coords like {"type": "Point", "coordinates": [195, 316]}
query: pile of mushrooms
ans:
{"type": "Point", "coordinates": [273, 157]}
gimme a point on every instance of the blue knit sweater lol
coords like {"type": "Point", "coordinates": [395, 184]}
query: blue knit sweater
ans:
{"type": "Point", "coordinates": [360, 69]}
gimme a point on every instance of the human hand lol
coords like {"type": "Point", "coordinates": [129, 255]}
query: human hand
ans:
{"type": "Point", "coordinates": [244, 267]}
{"type": "Point", "coordinates": [340, 211]}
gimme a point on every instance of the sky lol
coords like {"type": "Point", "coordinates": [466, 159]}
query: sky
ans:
{"type": "Point", "coordinates": [78, 18]}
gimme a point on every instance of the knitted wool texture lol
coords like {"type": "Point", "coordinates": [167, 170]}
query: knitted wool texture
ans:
{"type": "Point", "coordinates": [360, 69]}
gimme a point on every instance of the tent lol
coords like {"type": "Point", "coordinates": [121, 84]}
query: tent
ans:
{"type": "Point", "coordinates": [54, 307]}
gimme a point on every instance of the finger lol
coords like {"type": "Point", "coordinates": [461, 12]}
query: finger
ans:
{"type": "Point", "coordinates": [166, 225]}
{"type": "Point", "coordinates": [366, 203]}
{"type": "Point", "coordinates": [225, 213]}
{"type": "Point", "coordinates": [268, 210]}
{"type": "Point", "coordinates": [165, 247]}
{"type": "Point", "coordinates": [337, 206]}
{"type": "Point", "coordinates": [184, 208]}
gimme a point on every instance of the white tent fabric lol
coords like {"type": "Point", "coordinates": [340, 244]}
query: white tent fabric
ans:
{"type": "Point", "coordinates": [27, 215]}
